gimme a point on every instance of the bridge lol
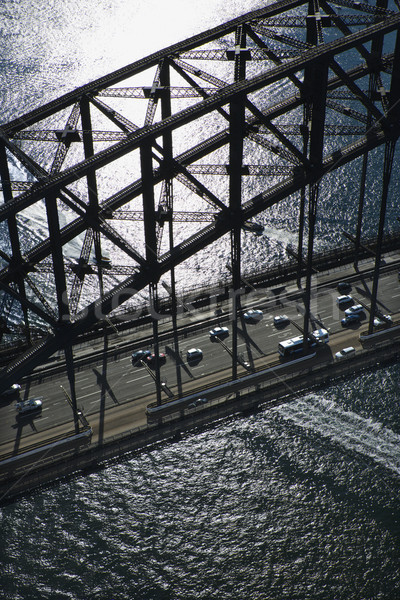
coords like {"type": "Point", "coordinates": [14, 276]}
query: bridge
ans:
{"type": "Point", "coordinates": [112, 163]}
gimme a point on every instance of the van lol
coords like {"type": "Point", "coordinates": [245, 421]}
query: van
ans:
{"type": "Point", "coordinates": [321, 335]}
{"type": "Point", "coordinates": [345, 353]}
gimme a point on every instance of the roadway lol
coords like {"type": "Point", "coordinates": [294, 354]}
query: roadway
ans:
{"type": "Point", "coordinates": [113, 394]}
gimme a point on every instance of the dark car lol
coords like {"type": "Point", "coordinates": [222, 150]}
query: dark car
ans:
{"type": "Point", "coordinates": [344, 287]}
{"type": "Point", "coordinates": [351, 319]}
{"type": "Point", "coordinates": [151, 360]}
{"type": "Point", "coordinates": [11, 391]}
{"type": "Point", "coordinates": [140, 355]}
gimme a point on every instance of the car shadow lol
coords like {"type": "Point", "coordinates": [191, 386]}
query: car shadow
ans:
{"type": "Point", "coordinates": [250, 343]}
{"type": "Point", "coordinates": [176, 356]}
{"type": "Point", "coordinates": [193, 362]}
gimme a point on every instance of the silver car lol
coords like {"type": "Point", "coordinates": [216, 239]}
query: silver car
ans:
{"type": "Point", "coordinates": [26, 406]}
{"type": "Point", "coordinates": [219, 332]}
{"type": "Point", "coordinates": [345, 353]}
{"type": "Point", "coordinates": [194, 354]}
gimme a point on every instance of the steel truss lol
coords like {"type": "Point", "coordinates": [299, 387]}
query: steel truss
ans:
{"type": "Point", "coordinates": [94, 157]}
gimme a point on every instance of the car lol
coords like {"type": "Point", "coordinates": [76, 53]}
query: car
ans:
{"type": "Point", "coordinates": [139, 356]}
{"type": "Point", "coordinates": [344, 287]}
{"type": "Point", "coordinates": [197, 402]}
{"type": "Point", "coordinates": [14, 389]}
{"type": "Point", "coordinates": [344, 300]}
{"type": "Point", "coordinates": [253, 315]}
{"type": "Point", "coordinates": [26, 406]}
{"type": "Point", "coordinates": [357, 308]}
{"type": "Point", "coordinates": [345, 353]}
{"type": "Point", "coordinates": [194, 354]}
{"type": "Point", "coordinates": [219, 332]}
{"type": "Point", "coordinates": [281, 320]}
{"type": "Point", "coordinates": [321, 336]}
{"type": "Point", "coordinates": [383, 321]}
{"type": "Point", "coordinates": [151, 360]}
{"type": "Point", "coordinates": [351, 319]}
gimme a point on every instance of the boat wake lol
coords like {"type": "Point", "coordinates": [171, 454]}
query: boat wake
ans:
{"type": "Point", "coordinates": [352, 431]}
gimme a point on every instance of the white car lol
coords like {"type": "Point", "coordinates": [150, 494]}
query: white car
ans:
{"type": "Point", "coordinates": [341, 300]}
{"type": "Point", "coordinates": [219, 332]}
{"type": "Point", "coordinates": [29, 405]}
{"type": "Point", "coordinates": [253, 314]}
{"type": "Point", "coordinates": [357, 308]}
{"type": "Point", "coordinates": [346, 352]}
{"type": "Point", "coordinates": [384, 321]}
{"type": "Point", "coordinates": [281, 320]}
{"type": "Point", "coordinates": [194, 354]}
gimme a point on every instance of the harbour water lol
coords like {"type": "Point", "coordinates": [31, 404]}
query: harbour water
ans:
{"type": "Point", "coordinates": [298, 503]}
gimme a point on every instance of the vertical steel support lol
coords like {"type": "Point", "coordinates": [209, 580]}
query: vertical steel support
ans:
{"type": "Point", "coordinates": [394, 95]}
{"type": "Point", "coordinates": [58, 260]}
{"type": "Point", "coordinates": [307, 91]}
{"type": "Point", "coordinates": [166, 111]}
{"type": "Point", "coordinates": [166, 163]}
{"type": "Point", "coordinates": [69, 361]}
{"type": "Point", "coordinates": [387, 170]}
{"type": "Point", "coordinates": [376, 53]}
{"type": "Point", "coordinates": [320, 82]}
{"type": "Point", "coordinates": [312, 216]}
{"type": "Point", "coordinates": [62, 294]}
{"type": "Point", "coordinates": [149, 217]}
{"type": "Point", "coordinates": [300, 244]}
{"type": "Point", "coordinates": [91, 181]}
{"type": "Point", "coordinates": [236, 135]}
{"type": "Point", "coordinates": [13, 232]}
{"type": "Point", "coordinates": [393, 115]}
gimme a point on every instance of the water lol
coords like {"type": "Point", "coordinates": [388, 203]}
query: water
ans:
{"type": "Point", "coordinates": [299, 503]}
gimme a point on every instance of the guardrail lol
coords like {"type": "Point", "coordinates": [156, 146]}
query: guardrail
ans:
{"type": "Point", "coordinates": [225, 386]}
{"type": "Point", "coordinates": [33, 452]}
{"type": "Point", "coordinates": [50, 469]}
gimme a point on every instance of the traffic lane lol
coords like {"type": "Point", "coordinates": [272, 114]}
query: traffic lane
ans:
{"type": "Point", "coordinates": [97, 390]}
{"type": "Point", "coordinates": [55, 410]}
{"type": "Point", "coordinates": [323, 303]}
{"type": "Point", "coordinates": [120, 373]}
{"type": "Point", "coordinates": [15, 426]}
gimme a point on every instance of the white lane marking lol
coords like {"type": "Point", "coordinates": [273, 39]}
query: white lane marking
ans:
{"type": "Point", "coordinates": [136, 379]}
{"type": "Point", "coordinates": [91, 394]}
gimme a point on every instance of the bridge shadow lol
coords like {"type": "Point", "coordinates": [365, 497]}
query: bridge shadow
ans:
{"type": "Point", "coordinates": [21, 422]}
{"type": "Point", "coordinates": [180, 365]}
{"type": "Point", "coordinates": [316, 322]}
{"type": "Point", "coordinates": [367, 293]}
{"type": "Point", "coordinates": [250, 343]}
{"type": "Point", "coordinates": [104, 388]}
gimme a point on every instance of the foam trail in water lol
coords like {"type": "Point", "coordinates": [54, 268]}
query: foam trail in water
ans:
{"type": "Point", "coordinates": [280, 236]}
{"type": "Point", "coordinates": [352, 431]}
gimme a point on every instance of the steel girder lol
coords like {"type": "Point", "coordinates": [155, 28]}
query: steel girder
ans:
{"type": "Point", "coordinates": [226, 83]}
